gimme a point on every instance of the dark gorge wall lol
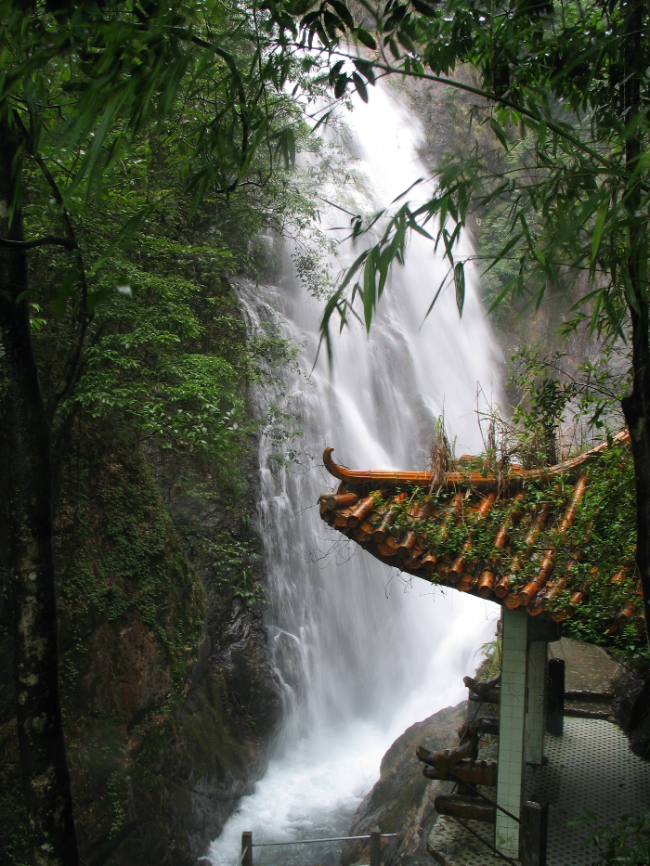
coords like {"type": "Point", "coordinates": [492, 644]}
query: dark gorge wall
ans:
{"type": "Point", "coordinates": [169, 700]}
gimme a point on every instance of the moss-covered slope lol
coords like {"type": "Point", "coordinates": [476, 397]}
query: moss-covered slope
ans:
{"type": "Point", "coordinates": [167, 694]}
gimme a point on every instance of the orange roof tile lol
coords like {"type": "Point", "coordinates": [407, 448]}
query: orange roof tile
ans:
{"type": "Point", "coordinates": [507, 538]}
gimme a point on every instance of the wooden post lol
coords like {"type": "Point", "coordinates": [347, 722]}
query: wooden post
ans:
{"type": "Point", "coordinates": [247, 848]}
{"type": "Point", "coordinates": [534, 832]}
{"type": "Point", "coordinates": [536, 686]}
{"type": "Point", "coordinates": [375, 846]}
{"type": "Point", "coordinates": [555, 697]}
{"type": "Point", "coordinates": [512, 721]}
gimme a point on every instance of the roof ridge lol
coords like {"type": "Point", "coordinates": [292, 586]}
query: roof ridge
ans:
{"type": "Point", "coordinates": [472, 479]}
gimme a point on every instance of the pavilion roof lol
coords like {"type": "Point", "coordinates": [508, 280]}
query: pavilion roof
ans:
{"type": "Point", "coordinates": [543, 539]}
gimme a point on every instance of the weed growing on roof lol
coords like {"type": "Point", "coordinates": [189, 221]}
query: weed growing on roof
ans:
{"type": "Point", "coordinates": [598, 599]}
{"type": "Point", "coordinates": [582, 571]}
{"type": "Point", "coordinates": [490, 665]}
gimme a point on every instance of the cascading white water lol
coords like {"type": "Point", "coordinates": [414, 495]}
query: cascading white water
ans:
{"type": "Point", "coordinates": [361, 652]}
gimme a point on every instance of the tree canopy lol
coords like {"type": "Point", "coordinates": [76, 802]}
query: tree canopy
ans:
{"type": "Point", "coordinates": [89, 91]}
{"type": "Point", "coordinates": [100, 105]}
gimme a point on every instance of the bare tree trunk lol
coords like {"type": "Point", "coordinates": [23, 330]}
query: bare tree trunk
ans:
{"type": "Point", "coordinates": [27, 479]}
{"type": "Point", "coordinates": [636, 406]}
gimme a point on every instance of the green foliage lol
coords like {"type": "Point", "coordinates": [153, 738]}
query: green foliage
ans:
{"type": "Point", "coordinates": [626, 843]}
{"type": "Point", "coordinates": [546, 401]}
{"type": "Point", "coordinates": [234, 561]}
{"type": "Point", "coordinates": [594, 557]}
{"type": "Point", "coordinates": [116, 790]}
{"type": "Point", "coordinates": [167, 345]}
{"type": "Point", "coordinates": [181, 126]}
{"type": "Point", "coordinates": [604, 534]}
{"type": "Point", "coordinates": [490, 666]}
{"type": "Point", "coordinates": [154, 364]}
{"type": "Point", "coordinates": [541, 411]}
{"type": "Point", "coordinates": [192, 73]}
{"type": "Point", "coordinates": [126, 128]}
{"type": "Point", "coordinates": [568, 192]}
{"type": "Point", "coordinates": [558, 412]}
{"type": "Point", "coordinates": [135, 568]}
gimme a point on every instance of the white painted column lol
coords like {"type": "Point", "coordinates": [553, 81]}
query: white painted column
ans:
{"type": "Point", "coordinates": [512, 720]}
{"type": "Point", "coordinates": [535, 684]}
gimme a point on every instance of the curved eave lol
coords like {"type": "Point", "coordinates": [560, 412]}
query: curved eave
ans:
{"type": "Point", "coordinates": [471, 480]}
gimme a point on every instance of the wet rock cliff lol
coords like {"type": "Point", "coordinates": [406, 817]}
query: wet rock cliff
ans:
{"type": "Point", "coordinates": [402, 801]}
{"type": "Point", "coordinates": [169, 699]}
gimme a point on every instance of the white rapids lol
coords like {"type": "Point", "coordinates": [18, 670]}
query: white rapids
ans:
{"type": "Point", "coordinates": [361, 652]}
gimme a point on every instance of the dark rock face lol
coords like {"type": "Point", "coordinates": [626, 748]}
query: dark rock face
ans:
{"type": "Point", "coordinates": [217, 756]}
{"type": "Point", "coordinates": [402, 801]}
{"type": "Point", "coordinates": [626, 686]}
{"type": "Point", "coordinates": [127, 671]}
{"type": "Point", "coordinates": [631, 707]}
{"type": "Point", "coordinates": [168, 694]}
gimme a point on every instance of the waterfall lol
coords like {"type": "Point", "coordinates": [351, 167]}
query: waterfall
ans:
{"type": "Point", "coordinates": [361, 651]}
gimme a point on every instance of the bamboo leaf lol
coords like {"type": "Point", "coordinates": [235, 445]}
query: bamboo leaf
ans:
{"type": "Point", "coordinates": [369, 290]}
{"type": "Point", "coordinates": [340, 86]}
{"type": "Point", "coordinates": [365, 68]}
{"type": "Point", "coordinates": [502, 294]}
{"type": "Point", "coordinates": [384, 267]}
{"type": "Point", "coordinates": [504, 252]}
{"type": "Point", "coordinates": [123, 238]}
{"type": "Point", "coordinates": [352, 270]}
{"type": "Point", "coordinates": [494, 194]}
{"type": "Point", "coordinates": [628, 290]}
{"type": "Point", "coordinates": [598, 228]}
{"type": "Point", "coordinates": [435, 297]}
{"type": "Point", "coordinates": [459, 280]}
{"type": "Point", "coordinates": [424, 8]}
{"type": "Point", "coordinates": [525, 227]}
{"type": "Point", "coordinates": [499, 132]}
{"type": "Point", "coordinates": [365, 38]}
{"type": "Point", "coordinates": [416, 227]}
{"type": "Point", "coordinates": [322, 120]}
{"type": "Point", "coordinates": [360, 86]}
{"type": "Point", "coordinates": [343, 11]}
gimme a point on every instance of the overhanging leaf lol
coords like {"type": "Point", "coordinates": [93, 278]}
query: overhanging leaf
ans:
{"type": "Point", "coordinates": [500, 133]}
{"type": "Point", "coordinates": [459, 280]}
{"type": "Point", "coordinates": [369, 290]}
{"type": "Point", "coordinates": [598, 228]}
{"type": "Point", "coordinates": [123, 238]}
{"type": "Point", "coordinates": [360, 86]}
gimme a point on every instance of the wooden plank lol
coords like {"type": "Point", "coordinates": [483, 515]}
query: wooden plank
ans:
{"type": "Point", "coordinates": [247, 848]}
{"type": "Point", "coordinates": [534, 833]}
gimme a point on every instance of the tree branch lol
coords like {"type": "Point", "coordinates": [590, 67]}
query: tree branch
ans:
{"type": "Point", "coordinates": [71, 368]}
{"type": "Point", "coordinates": [490, 96]}
{"type": "Point", "coordinates": [48, 240]}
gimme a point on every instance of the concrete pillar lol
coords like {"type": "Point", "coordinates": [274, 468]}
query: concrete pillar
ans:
{"type": "Point", "coordinates": [535, 684]}
{"type": "Point", "coordinates": [511, 728]}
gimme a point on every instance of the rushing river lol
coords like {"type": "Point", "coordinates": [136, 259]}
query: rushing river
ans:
{"type": "Point", "coordinates": [361, 652]}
